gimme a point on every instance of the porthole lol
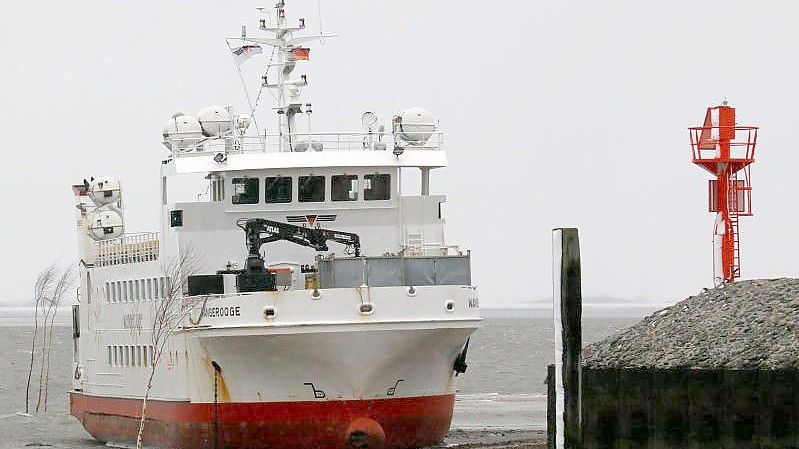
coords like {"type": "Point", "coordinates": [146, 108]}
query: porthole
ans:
{"type": "Point", "coordinates": [449, 305]}
{"type": "Point", "coordinates": [367, 308]}
{"type": "Point", "coordinates": [269, 312]}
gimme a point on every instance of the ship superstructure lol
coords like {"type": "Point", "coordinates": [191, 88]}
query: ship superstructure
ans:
{"type": "Point", "coordinates": [314, 304]}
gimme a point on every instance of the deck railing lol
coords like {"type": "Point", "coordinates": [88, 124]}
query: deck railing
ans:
{"type": "Point", "coordinates": [706, 141]}
{"type": "Point", "coordinates": [130, 248]}
{"type": "Point", "coordinates": [431, 249]}
{"type": "Point", "coordinates": [300, 142]}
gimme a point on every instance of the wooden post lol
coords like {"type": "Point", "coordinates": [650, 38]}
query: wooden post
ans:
{"type": "Point", "coordinates": [568, 337]}
{"type": "Point", "coordinates": [551, 407]}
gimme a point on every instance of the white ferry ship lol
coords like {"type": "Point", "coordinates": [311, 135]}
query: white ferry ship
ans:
{"type": "Point", "coordinates": [297, 300]}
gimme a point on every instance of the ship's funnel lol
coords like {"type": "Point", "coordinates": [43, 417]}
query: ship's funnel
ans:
{"type": "Point", "coordinates": [365, 433]}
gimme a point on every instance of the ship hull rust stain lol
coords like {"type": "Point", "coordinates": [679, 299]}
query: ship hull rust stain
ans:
{"type": "Point", "coordinates": [407, 422]}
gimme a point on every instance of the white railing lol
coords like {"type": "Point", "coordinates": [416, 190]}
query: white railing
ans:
{"type": "Point", "coordinates": [130, 248]}
{"type": "Point", "coordinates": [301, 142]}
{"type": "Point", "coordinates": [430, 249]}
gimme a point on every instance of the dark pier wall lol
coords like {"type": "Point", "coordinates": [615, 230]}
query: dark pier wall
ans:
{"type": "Point", "coordinates": [682, 408]}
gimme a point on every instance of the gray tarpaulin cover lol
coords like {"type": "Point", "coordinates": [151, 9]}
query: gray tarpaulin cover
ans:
{"type": "Point", "coordinates": [392, 271]}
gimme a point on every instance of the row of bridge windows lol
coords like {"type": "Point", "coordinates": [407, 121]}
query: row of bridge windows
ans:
{"type": "Point", "coordinates": [130, 355]}
{"type": "Point", "coordinates": [312, 189]}
{"type": "Point", "coordinates": [148, 289]}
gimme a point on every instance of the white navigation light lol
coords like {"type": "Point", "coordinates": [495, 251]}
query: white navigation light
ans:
{"type": "Point", "coordinates": [104, 190]}
{"type": "Point", "coordinates": [182, 129]}
{"type": "Point", "coordinates": [368, 119]}
{"type": "Point", "coordinates": [105, 224]}
{"type": "Point", "coordinates": [415, 125]}
{"type": "Point", "coordinates": [214, 121]}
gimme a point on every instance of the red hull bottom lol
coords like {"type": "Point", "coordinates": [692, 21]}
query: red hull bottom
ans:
{"type": "Point", "coordinates": [406, 422]}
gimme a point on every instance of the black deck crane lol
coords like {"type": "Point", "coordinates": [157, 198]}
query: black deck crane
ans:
{"type": "Point", "coordinates": [259, 231]}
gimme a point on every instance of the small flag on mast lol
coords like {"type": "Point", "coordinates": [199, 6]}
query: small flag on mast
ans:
{"type": "Point", "coordinates": [244, 52]}
{"type": "Point", "coordinates": [301, 53]}
{"type": "Point", "coordinates": [80, 190]}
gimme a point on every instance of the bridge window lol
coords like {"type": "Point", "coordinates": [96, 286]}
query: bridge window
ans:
{"type": "Point", "coordinates": [344, 188]}
{"type": "Point", "coordinates": [377, 187]}
{"type": "Point", "coordinates": [278, 190]}
{"type": "Point", "coordinates": [312, 189]}
{"type": "Point", "coordinates": [245, 191]}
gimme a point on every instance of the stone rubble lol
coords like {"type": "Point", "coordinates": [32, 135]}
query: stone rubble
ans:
{"type": "Point", "coordinates": [745, 325]}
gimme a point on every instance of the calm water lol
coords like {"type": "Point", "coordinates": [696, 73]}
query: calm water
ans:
{"type": "Point", "coordinates": [503, 387]}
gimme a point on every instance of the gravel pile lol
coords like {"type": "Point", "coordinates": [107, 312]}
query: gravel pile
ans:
{"type": "Point", "coordinates": [748, 324]}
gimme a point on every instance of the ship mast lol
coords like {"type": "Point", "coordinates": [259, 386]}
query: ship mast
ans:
{"type": "Point", "coordinates": [288, 49]}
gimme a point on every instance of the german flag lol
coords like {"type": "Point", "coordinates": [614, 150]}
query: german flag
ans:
{"type": "Point", "coordinates": [300, 53]}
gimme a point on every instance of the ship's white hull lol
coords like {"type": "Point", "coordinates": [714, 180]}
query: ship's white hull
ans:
{"type": "Point", "coordinates": [240, 380]}
{"type": "Point", "coordinates": [361, 364]}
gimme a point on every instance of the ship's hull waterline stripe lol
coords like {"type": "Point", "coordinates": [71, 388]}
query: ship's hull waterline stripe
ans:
{"type": "Point", "coordinates": [407, 421]}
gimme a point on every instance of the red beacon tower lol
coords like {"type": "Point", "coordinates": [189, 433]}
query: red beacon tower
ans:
{"type": "Point", "coordinates": [726, 151]}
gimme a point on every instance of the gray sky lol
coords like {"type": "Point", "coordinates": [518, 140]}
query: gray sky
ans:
{"type": "Point", "coordinates": [555, 114]}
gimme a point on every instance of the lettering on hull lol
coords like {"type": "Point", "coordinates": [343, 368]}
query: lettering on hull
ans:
{"type": "Point", "coordinates": [214, 312]}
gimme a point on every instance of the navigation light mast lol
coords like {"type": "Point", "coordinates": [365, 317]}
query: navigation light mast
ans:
{"type": "Point", "coordinates": [288, 49]}
{"type": "Point", "coordinates": [726, 151]}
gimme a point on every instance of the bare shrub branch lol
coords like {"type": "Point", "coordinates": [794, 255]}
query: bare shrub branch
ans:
{"type": "Point", "coordinates": [65, 281]}
{"type": "Point", "coordinates": [41, 290]}
{"type": "Point", "coordinates": [168, 314]}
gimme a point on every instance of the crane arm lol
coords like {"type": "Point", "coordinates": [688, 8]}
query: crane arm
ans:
{"type": "Point", "coordinates": [259, 231]}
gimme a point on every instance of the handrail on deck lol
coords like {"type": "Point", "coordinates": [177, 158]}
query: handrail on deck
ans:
{"type": "Point", "coordinates": [130, 248]}
{"type": "Point", "coordinates": [300, 142]}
